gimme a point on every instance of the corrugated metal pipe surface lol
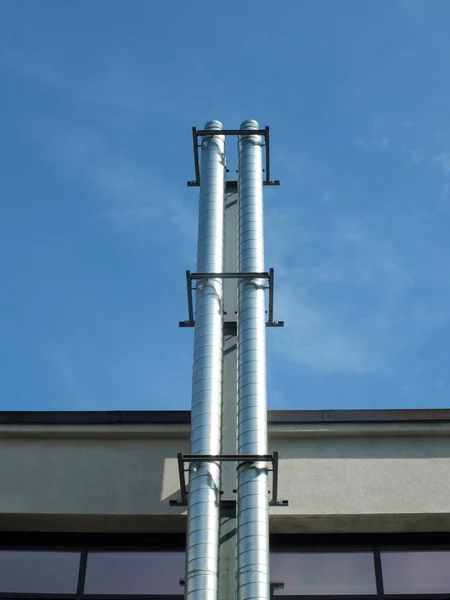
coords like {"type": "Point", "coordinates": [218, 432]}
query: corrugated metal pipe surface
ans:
{"type": "Point", "coordinates": [253, 581]}
{"type": "Point", "coordinates": [204, 477]}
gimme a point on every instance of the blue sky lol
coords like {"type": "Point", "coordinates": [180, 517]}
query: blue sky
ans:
{"type": "Point", "coordinates": [98, 226]}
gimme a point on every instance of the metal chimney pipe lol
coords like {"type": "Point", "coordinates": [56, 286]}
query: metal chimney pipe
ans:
{"type": "Point", "coordinates": [204, 477]}
{"type": "Point", "coordinates": [253, 579]}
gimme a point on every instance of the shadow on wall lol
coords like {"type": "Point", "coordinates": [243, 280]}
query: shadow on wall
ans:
{"type": "Point", "coordinates": [119, 474]}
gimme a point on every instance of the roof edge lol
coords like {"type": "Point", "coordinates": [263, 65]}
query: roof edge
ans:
{"type": "Point", "coordinates": [131, 417]}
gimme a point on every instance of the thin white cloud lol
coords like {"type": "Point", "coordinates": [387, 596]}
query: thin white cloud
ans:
{"type": "Point", "coordinates": [361, 144]}
{"type": "Point", "coordinates": [417, 156]}
{"type": "Point", "coordinates": [367, 257]}
{"type": "Point", "coordinates": [29, 67]}
{"type": "Point", "coordinates": [444, 198]}
{"type": "Point", "coordinates": [443, 160]}
{"type": "Point", "coordinates": [130, 195]}
{"type": "Point", "coordinates": [70, 377]}
{"type": "Point", "coordinates": [414, 10]}
{"type": "Point", "coordinates": [352, 310]}
{"type": "Point", "coordinates": [382, 142]}
{"type": "Point", "coordinates": [133, 195]}
{"type": "Point", "coordinates": [379, 142]}
{"type": "Point", "coordinates": [317, 339]}
{"type": "Point", "coordinates": [329, 196]}
{"type": "Point", "coordinates": [380, 122]}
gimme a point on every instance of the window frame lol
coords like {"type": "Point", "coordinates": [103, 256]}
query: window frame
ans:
{"type": "Point", "coordinates": [84, 542]}
{"type": "Point", "coordinates": [328, 550]}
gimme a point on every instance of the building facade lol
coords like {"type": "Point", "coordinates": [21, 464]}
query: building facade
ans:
{"type": "Point", "coordinates": [90, 505]}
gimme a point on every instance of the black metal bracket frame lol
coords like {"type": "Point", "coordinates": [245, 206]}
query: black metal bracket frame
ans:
{"type": "Point", "coordinates": [211, 132]}
{"type": "Point", "coordinates": [274, 585]}
{"type": "Point", "coordinates": [241, 459]}
{"type": "Point", "coordinates": [270, 276]}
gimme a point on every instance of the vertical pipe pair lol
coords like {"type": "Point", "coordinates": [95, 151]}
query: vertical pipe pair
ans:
{"type": "Point", "coordinates": [204, 478]}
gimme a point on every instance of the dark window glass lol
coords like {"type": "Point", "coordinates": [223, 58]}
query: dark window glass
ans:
{"type": "Point", "coordinates": [416, 572]}
{"type": "Point", "coordinates": [36, 572]}
{"type": "Point", "coordinates": [134, 573]}
{"type": "Point", "coordinates": [324, 573]}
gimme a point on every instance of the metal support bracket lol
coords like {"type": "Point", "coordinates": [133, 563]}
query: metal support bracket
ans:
{"type": "Point", "coordinates": [212, 132]}
{"type": "Point", "coordinates": [274, 586]}
{"type": "Point", "coordinates": [241, 459]}
{"type": "Point", "coordinates": [270, 276]}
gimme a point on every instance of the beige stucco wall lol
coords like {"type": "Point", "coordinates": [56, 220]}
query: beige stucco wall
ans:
{"type": "Point", "coordinates": [121, 477]}
{"type": "Point", "coordinates": [364, 478]}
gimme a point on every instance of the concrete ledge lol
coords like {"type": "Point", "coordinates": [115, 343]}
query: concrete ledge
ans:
{"type": "Point", "coordinates": [93, 523]}
{"type": "Point", "coordinates": [176, 524]}
{"type": "Point", "coordinates": [329, 524]}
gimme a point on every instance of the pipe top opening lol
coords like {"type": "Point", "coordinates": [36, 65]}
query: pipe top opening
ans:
{"type": "Point", "coordinates": [214, 124]}
{"type": "Point", "coordinates": [249, 124]}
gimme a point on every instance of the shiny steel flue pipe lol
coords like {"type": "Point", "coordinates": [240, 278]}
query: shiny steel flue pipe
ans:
{"type": "Point", "coordinates": [253, 579]}
{"type": "Point", "coordinates": [202, 542]}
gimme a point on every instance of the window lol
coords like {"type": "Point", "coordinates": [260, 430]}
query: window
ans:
{"type": "Point", "coordinates": [39, 572]}
{"type": "Point", "coordinates": [134, 573]}
{"type": "Point", "coordinates": [319, 573]}
{"type": "Point", "coordinates": [416, 572]}
{"type": "Point", "coordinates": [363, 571]}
